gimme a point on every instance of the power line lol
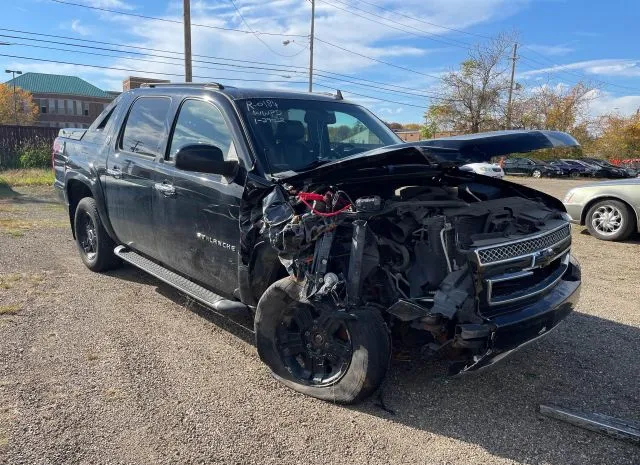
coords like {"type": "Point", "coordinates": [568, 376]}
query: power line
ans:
{"type": "Point", "coordinates": [248, 32]}
{"type": "Point", "coordinates": [166, 20]}
{"type": "Point", "coordinates": [375, 59]}
{"type": "Point", "coordinates": [145, 71]}
{"type": "Point", "coordinates": [420, 33]}
{"type": "Point", "coordinates": [137, 47]}
{"type": "Point", "coordinates": [562, 69]}
{"type": "Point", "coordinates": [275, 68]}
{"type": "Point", "coordinates": [376, 98]}
{"type": "Point", "coordinates": [399, 13]}
{"type": "Point", "coordinates": [257, 36]}
{"type": "Point", "coordinates": [252, 71]}
{"type": "Point", "coordinates": [144, 54]}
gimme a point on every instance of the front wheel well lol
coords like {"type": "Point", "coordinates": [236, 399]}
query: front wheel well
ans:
{"type": "Point", "coordinates": [591, 203]}
{"type": "Point", "coordinates": [76, 191]}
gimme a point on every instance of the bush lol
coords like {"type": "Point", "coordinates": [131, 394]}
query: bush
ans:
{"type": "Point", "coordinates": [35, 156]}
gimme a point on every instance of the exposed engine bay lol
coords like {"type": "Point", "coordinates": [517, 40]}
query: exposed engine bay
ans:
{"type": "Point", "coordinates": [412, 252]}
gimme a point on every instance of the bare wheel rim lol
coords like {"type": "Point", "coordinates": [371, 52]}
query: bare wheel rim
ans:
{"type": "Point", "coordinates": [537, 174]}
{"type": "Point", "coordinates": [316, 351]}
{"type": "Point", "coordinates": [87, 236]}
{"type": "Point", "coordinates": [607, 220]}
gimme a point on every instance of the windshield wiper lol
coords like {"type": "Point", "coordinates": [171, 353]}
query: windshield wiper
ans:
{"type": "Point", "coordinates": [312, 165]}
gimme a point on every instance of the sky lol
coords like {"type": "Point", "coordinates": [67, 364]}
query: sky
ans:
{"type": "Point", "coordinates": [406, 44]}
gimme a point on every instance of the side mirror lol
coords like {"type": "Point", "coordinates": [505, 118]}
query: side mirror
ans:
{"type": "Point", "coordinates": [205, 159]}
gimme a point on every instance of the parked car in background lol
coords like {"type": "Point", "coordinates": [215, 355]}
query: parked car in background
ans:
{"type": "Point", "coordinates": [593, 171]}
{"type": "Point", "coordinates": [632, 165]}
{"type": "Point", "coordinates": [573, 170]}
{"type": "Point", "coordinates": [531, 167]}
{"type": "Point", "coordinates": [486, 169]}
{"type": "Point", "coordinates": [610, 171]}
{"type": "Point", "coordinates": [609, 209]}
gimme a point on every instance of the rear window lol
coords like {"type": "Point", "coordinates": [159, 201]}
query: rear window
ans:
{"type": "Point", "coordinates": [145, 129]}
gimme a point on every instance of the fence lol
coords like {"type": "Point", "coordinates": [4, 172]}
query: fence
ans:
{"type": "Point", "coordinates": [12, 138]}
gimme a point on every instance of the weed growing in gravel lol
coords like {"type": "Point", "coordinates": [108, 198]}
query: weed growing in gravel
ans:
{"type": "Point", "coordinates": [17, 227]}
{"type": "Point", "coordinates": [8, 281]}
{"type": "Point", "coordinates": [9, 309]}
{"type": "Point", "coordinates": [27, 177]}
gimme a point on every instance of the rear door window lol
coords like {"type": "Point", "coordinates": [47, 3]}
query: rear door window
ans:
{"type": "Point", "coordinates": [145, 129]}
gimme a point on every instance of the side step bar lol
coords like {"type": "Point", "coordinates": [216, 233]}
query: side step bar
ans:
{"type": "Point", "coordinates": [181, 283]}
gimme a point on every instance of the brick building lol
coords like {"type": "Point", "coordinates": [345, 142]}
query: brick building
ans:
{"type": "Point", "coordinates": [64, 101]}
{"type": "Point", "coordinates": [133, 82]}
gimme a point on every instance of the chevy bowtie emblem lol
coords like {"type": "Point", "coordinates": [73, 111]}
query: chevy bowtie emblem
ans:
{"type": "Point", "coordinates": [542, 257]}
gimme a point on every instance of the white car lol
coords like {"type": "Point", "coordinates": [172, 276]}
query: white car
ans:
{"type": "Point", "coordinates": [487, 169]}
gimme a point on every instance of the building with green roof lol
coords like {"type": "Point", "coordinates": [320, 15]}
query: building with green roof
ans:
{"type": "Point", "coordinates": [64, 101]}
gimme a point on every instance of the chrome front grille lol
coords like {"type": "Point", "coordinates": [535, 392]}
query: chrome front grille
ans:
{"type": "Point", "coordinates": [524, 247]}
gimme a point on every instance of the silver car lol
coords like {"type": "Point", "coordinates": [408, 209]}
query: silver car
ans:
{"type": "Point", "coordinates": [609, 209]}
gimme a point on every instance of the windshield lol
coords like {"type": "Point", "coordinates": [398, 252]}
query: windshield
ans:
{"type": "Point", "coordinates": [294, 135]}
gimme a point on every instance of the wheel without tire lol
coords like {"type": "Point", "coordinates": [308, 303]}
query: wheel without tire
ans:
{"type": "Point", "coordinates": [318, 351]}
{"type": "Point", "coordinates": [610, 220]}
{"type": "Point", "coordinates": [94, 244]}
{"type": "Point", "coordinates": [536, 174]}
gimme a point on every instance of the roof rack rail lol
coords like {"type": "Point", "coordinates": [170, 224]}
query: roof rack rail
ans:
{"type": "Point", "coordinates": [337, 95]}
{"type": "Point", "coordinates": [214, 85]}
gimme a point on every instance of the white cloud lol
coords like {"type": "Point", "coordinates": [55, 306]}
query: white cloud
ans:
{"type": "Point", "coordinates": [605, 103]}
{"type": "Point", "coordinates": [77, 27]}
{"type": "Point", "coordinates": [551, 50]}
{"type": "Point", "coordinates": [111, 4]}
{"type": "Point", "coordinates": [604, 67]}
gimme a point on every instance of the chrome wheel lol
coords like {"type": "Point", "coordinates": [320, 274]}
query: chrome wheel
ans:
{"type": "Point", "coordinates": [607, 220]}
{"type": "Point", "coordinates": [537, 174]}
{"type": "Point", "coordinates": [88, 237]}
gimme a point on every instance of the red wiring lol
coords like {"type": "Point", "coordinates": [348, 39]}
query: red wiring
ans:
{"type": "Point", "coordinates": [305, 196]}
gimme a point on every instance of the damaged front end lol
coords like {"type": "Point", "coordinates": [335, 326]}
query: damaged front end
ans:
{"type": "Point", "coordinates": [453, 263]}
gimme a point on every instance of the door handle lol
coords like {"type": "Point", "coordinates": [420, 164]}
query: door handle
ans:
{"type": "Point", "coordinates": [166, 189]}
{"type": "Point", "coordinates": [115, 172]}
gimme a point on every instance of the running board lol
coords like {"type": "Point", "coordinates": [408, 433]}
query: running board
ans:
{"type": "Point", "coordinates": [181, 283]}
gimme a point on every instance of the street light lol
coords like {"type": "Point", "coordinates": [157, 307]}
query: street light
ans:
{"type": "Point", "coordinates": [15, 101]}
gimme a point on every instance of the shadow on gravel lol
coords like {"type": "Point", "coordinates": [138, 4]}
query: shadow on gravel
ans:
{"type": "Point", "coordinates": [635, 238]}
{"type": "Point", "coordinates": [587, 363]}
{"type": "Point", "coordinates": [239, 323]}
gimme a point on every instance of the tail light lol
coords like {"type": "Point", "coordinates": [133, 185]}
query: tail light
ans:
{"type": "Point", "coordinates": [58, 147]}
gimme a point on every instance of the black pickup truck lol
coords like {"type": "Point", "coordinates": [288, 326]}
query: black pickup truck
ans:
{"type": "Point", "coordinates": [308, 211]}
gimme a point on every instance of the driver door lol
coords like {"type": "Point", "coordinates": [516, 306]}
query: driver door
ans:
{"type": "Point", "coordinates": [198, 232]}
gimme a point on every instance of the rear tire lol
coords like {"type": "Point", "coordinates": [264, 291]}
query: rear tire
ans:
{"type": "Point", "coordinates": [368, 341]}
{"type": "Point", "coordinates": [610, 220]}
{"type": "Point", "coordinates": [536, 174]}
{"type": "Point", "coordinates": [94, 244]}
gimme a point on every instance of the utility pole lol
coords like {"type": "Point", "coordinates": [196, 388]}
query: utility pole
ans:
{"type": "Point", "coordinates": [313, 21]}
{"type": "Point", "coordinates": [15, 100]}
{"type": "Point", "coordinates": [188, 73]}
{"type": "Point", "coordinates": [513, 72]}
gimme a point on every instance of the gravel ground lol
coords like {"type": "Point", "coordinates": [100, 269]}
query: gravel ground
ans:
{"type": "Point", "coordinates": [119, 368]}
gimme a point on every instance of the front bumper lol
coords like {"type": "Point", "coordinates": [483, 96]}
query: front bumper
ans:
{"type": "Point", "coordinates": [513, 330]}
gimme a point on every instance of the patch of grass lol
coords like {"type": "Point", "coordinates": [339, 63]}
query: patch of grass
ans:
{"type": "Point", "coordinates": [10, 280]}
{"type": "Point", "coordinates": [17, 227]}
{"type": "Point", "coordinates": [14, 227]}
{"type": "Point", "coordinates": [9, 309]}
{"type": "Point", "coordinates": [9, 208]}
{"type": "Point", "coordinates": [26, 177]}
